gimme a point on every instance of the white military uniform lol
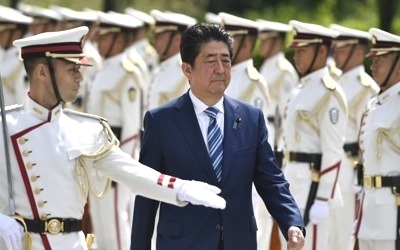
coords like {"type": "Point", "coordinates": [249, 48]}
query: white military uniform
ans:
{"type": "Point", "coordinates": [14, 78]}
{"type": "Point", "coordinates": [45, 147]}
{"type": "Point", "coordinates": [116, 93]}
{"type": "Point", "coordinates": [315, 122]}
{"type": "Point", "coordinates": [143, 46]}
{"type": "Point", "coordinates": [168, 82]}
{"type": "Point", "coordinates": [359, 88]}
{"type": "Point", "coordinates": [249, 86]}
{"type": "Point", "coordinates": [148, 54]}
{"type": "Point", "coordinates": [282, 77]}
{"type": "Point", "coordinates": [380, 146]}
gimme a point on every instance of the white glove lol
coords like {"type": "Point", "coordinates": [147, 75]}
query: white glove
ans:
{"type": "Point", "coordinates": [319, 211]}
{"type": "Point", "coordinates": [11, 232]}
{"type": "Point", "coordinates": [200, 193]}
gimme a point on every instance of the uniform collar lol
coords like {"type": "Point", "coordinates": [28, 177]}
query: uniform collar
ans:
{"type": "Point", "coordinates": [274, 59]}
{"type": "Point", "coordinates": [353, 72]}
{"type": "Point", "coordinates": [318, 74]}
{"type": "Point", "coordinates": [242, 65]}
{"type": "Point", "coordinates": [389, 93]}
{"type": "Point", "coordinates": [172, 60]}
{"type": "Point", "coordinates": [41, 112]}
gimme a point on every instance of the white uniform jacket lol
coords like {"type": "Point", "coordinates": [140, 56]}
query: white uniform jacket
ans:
{"type": "Point", "coordinates": [380, 147]}
{"type": "Point", "coordinates": [315, 122]}
{"type": "Point", "coordinates": [116, 94]}
{"type": "Point", "coordinates": [249, 86]}
{"type": "Point", "coordinates": [281, 77]}
{"type": "Point", "coordinates": [168, 82]}
{"type": "Point", "coordinates": [14, 78]}
{"type": "Point", "coordinates": [359, 88]}
{"type": "Point", "coordinates": [44, 149]}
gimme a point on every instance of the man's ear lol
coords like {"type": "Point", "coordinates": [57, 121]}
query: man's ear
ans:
{"type": "Point", "coordinates": [187, 70]}
{"type": "Point", "coordinates": [41, 70]}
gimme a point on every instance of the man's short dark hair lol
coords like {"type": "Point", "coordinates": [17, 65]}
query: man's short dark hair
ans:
{"type": "Point", "coordinates": [30, 63]}
{"type": "Point", "coordinates": [194, 37]}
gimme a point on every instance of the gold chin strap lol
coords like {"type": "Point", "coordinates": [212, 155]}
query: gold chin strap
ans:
{"type": "Point", "coordinates": [82, 170]}
{"type": "Point", "coordinates": [27, 240]}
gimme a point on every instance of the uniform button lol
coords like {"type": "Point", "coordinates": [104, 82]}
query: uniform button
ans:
{"type": "Point", "coordinates": [26, 153]}
{"type": "Point", "coordinates": [218, 227]}
{"type": "Point", "coordinates": [30, 165]}
{"type": "Point", "coordinates": [22, 140]}
{"type": "Point", "coordinates": [38, 190]}
{"type": "Point", "coordinates": [42, 203]}
{"type": "Point", "coordinates": [44, 216]}
{"type": "Point", "coordinates": [34, 178]}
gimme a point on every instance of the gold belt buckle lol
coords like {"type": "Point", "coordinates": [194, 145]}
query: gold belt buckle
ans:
{"type": "Point", "coordinates": [54, 226]}
{"type": "Point", "coordinates": [368, 181]}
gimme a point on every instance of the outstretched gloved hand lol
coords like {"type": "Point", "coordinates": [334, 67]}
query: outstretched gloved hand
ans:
{"type": "Point", "coordinates": [200, 193]}
{"type": "Point", "coordinates": [319, 211]}
{"type": "Point", "coordinates": [11, 232]}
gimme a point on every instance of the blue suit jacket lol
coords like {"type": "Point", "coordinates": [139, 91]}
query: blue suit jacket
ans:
{"type": "Point", "coordinates": [173, 144]}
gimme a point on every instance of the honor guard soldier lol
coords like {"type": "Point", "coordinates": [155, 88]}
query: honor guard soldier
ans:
{"type": "Point", "coordinates": [380, 146]}
{"type": "Point", "coordinates": [280, 74]}
{"type": "Point", "coordinates": [249, 86]}
{"type": "Point", "coordinates": [54, 156]}
{"type": "Point", "coordinates": [168, 81]}
{"type": "Point", "coordinates": [44, 20]}
{"type": "Point", "coordinates": [313, 131]}
{"type": "Point", "coordinates": [282, 77]}
{"type": "Point", "coordinates": [349, 50]}
{"type": "Point", "coordinates": [142, 43]}
{"type": "Point", "coordinates": [13, 25]}
{"type": "Point", "coordinates": [116, 94]}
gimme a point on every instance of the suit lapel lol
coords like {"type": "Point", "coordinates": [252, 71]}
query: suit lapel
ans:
{"type": "Point", "coordinates": [186, 120]}
{"type": "Point", "coordinates": [231, 134]}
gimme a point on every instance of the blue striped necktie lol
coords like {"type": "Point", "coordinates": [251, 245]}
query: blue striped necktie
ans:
{"type": "Point", "coordinates": [214, 139]}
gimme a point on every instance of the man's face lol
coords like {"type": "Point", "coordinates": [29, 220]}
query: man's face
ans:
{"type": "Point", "coordinates": [162, 41]}
{"type": "Point", "coordinates": [303, 57]}
{"type": "Point", "coordinates": [211, 73]}
{"type": "Point", "coordinates": [68, 78]}
{"type": "Point", "coordinates": [340, 55]}
{"type": "Point", "coordinates": [266, 47]}
{"type": "Point", "coordinates": [381, 66]}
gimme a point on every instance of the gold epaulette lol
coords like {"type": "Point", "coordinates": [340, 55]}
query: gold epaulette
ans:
{"type": "Point", "coordinates": [367, 81]}
{"type": "Point", "coordinates": [13, 107]}
{"type": "Point", "coordinates": [253, 73]}
{"type": "Point", "coordinates": [329, 82]}
{"type": "Point", "coordinates": [128, 65]}
{"type": "Point", "coordinates": [150, 49]}
{"type": "Point", "coordinates": [83, 114]}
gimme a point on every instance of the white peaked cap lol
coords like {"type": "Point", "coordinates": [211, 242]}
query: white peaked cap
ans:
{"type": "Point", "coordinates": [66, 44]}
{"type": "Point", "coordinates": [210, 17]}
{"type": "Point", "coordinates": [348, 36]}
{"type": "Point", "coordinates": [308, 33]}
{"type": "Point", "coordinates": [11, 18]}
{"type": "Point", "coordinates": [117, 20]}
{"type": "Point", "coordinates": [237, 25]}
{"type": "Point", "coordinates": [144, 17]}
{"type": "Point", "coordinates": [383, 42]}
{"type": "Point", "coordinates": [171, 21]}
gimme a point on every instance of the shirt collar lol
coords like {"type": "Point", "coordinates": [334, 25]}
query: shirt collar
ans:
{"type": "Point", "coordinates": [200, 106]}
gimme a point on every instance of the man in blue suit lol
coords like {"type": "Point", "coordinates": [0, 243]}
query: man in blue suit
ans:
{"type": "Point", "coordinates": [176, 142]}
